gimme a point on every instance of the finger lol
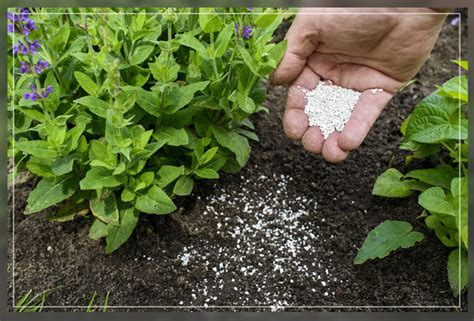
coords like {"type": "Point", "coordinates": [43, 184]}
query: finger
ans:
{"type": "Point", "coordinates": [313, 140]}
{"type": "Point", "coordinates": [364, 115]}
{"type": "Point", "coordinates": [301, 43]}
{"type": "Point", "coordinates": [331, 150]}
{"type": "Point", "coordinates": [295, 121]}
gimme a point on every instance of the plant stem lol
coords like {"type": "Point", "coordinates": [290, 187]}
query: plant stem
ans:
{"type": "Point", "coordinates": [464, 169]}
{"type": "Point", "coordinates": [251, 84]}
{"type": "Point", "coordinates": [214, 66]}
{"type": "Point", "coordinates": [52, 59]}
{"type": "Point", "coordinates": [448, 147]}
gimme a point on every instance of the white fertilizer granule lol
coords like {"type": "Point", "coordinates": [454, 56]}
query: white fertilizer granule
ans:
{"type": "Point", "coordinates": [329, 106]}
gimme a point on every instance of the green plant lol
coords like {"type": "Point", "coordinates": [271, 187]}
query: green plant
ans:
{"type": "Point", "coordinates": [29, 303]}
{"type": "Point", "coordinates": [437, 129]}
{"type": "Point", "coordinates": [129, 107]}
{"type": "Point", "coordinates": [90, 307]}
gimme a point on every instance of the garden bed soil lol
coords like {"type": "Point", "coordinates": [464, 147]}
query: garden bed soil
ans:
{"type": "Point", "coordinates": [282, 233]}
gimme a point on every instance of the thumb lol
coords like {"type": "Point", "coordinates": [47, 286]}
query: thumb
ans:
{"type": "Point", "coordinates": [302, 41]}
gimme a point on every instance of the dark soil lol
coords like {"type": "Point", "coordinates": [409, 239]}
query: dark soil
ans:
{"type": "Point", "coordinates": [336, 208]}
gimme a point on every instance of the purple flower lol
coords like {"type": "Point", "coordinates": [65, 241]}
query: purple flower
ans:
{"type": "Point", "coordinates": [24, 68]}
{"type": "Point", "coordinates": [12, 17]}
{"type": "Point", "coordinates": [250, 8]}
{"type": "Point", "coordinates": [47, 91]}
{"type": "Point", "coordinates": [33, 46]}
{"type": "Point", "coordinates": [33, 96]}
{"type": "Point", "coordinates": [246, 32]}
{"type": "Point", "coordinates": [24, 13]}
{"type": "Point", "coordinates": [41, 65]}
{"type": "Point", "coordinates": [28, 27]}
{"type": "Point", "coordinates": [455, 21]}
{"type": "Point", "coordinates": [20, 48]}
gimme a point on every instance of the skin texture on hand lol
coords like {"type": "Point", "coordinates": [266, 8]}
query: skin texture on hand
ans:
{"type": "Point", "coordinates": [361, 49]}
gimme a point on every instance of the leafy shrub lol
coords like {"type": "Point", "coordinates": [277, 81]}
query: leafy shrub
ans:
{"type": "Point", "coordinates": [436, 128]}
{"type": "Point", "coordinates": [120, 111]}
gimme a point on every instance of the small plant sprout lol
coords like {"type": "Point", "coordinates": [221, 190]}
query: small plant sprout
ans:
{"type": "Point", "coordinates": [437, 129]}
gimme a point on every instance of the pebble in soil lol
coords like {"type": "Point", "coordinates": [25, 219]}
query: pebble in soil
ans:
{"type": "Point", "coordinates": [266, 251]}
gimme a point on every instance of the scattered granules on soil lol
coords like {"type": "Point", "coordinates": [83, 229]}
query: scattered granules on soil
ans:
{"type": "Point", "coordinates": [271, 248]}
{"type": "Point", "coordinates": [329, 106]}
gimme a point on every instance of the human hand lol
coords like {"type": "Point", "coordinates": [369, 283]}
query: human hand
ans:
{"type": "Point", "coordinates": [361, 49]}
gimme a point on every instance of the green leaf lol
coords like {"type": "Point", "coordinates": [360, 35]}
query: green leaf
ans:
{"type": "Point", "coordinates": [63, 165]}
{"type": "Point", "coordinates": [73, 137]}
{"type": "Point", "coordinates": [440, 176]}
{"type": "Point", "coordinates": [246, 103]}
{"type": "Point", "coordinates": [462, 63]}
{"type": "Point", "coordinates": [206, 173]}
{"type": "Point", "coordinates": [459, 201]}
{"type": "Point", "coordinates": [277, 52]}
{"type": "Point", "coordinates": [167, 174]}
{"type": "Point", "coordinates": [389, 184]}
{"type": "Point", "coordinates": [75, 205]}
{"type": "Point", "coordinates": [403, 126]}
{"type": "Point", "coordinates": [385, 238]}
{"type": "Point", "coordinates": [149, 102]}
{"type": "Point", "coordinates": [141, 53]}
{"type": "Point", "coordinates": [120, 169]}
{"type": "Point", "coordinates": [441, 226]}
{"type": "Point", "coordinates": [99, 177]}
{"type": "Point", "coordinates": [60, 38]}
{"type": "Point", "coordinates": [40, 166]}
{"type": "Point", "coordinates": [118, 235]}
{"type": "Point", "coordinates": [184, 186]}
{"type": "Point", "coordinates": [209, 21]}
{"type": "Point", "coordinates": [145, 180]}
{"type": "Point", "coordinates": [106, 209]}
{"type": "Point", "coordinates": [265, 19]}
{"type": "Point", "coordinates": [38, 148]}
{"type": "Point", "coordinates": [222, 41]}
{"type": "Point", "coordinates": [170, 46]}
{"type": "Point", "coordinates": [101, 154]}
{"type": "Point", "coordinates": [164, 69]}
{"type": "Point", "coordinates": [50, 192]}
{"type": "Point", "coordinates": [172, 136]}
{"type": "Point", "coordinates": [191, 42]}
{"type": "Point", "coordinates": [95, 105]}
{"type": "Point", "coordinates": [138, 21]}
{"type": "Point", "coordinates": [56, 94]}
{"type": "Point", "coordinates": [434, 200]}
{"type": "Point", "coordinates": [249, 61]}
{"type": "Point", "coordinates": [154, 201]}
{"type": "Point", "coordinates": [455, 87]}
{"type": "Point", "coordinates": [430, 121]}
{"type": "Point", "coordinates": [236, 143]}
{"type": "Point", "coordinates": [87, 84]}
{"type": "Point", "coordinates": [98, 230]}
{"type": "Point", "coordinates": [179, 97]}
{"type": "Point", "coordinates": [458, 273]}
{"type": "Point", "coordinates": [127, 195]}
{"type": "Point", "coordinates": [208, 155]}
{"type": "Point", "coordinates": [249, 134]}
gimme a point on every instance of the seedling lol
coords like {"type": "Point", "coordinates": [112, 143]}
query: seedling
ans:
{"type": "Point", "coordinates": [437, 129]}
